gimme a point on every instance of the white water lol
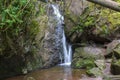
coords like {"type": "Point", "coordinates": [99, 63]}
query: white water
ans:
{"type": "Point", "coordinates": [57, 13]}
{"type": "Point", "coordinates": [67, 48]}
{"type": "Point", "coordinates": [67, 51]}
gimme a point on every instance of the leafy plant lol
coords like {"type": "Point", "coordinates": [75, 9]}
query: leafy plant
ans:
{"type": "Point", "coordinates": [15, 25]}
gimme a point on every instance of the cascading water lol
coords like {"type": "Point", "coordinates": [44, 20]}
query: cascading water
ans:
{"type": "Point", "coordinates": [67, 48]}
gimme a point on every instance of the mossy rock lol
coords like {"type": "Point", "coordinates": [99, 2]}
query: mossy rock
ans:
{"type": "Point", "coordinates": [83, 63]}
{"type": "Point", "coordinates": [88, 52]}
{"type": "Point", "coordinates": [113, 48]}
{"type": "Point", "coordinates": [94, 72]}
{"type": "Point", "coordinates": [115, 67]}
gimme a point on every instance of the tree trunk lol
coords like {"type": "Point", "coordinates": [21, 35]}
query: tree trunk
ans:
{"type": "Point", "coordinates": [107, 3]}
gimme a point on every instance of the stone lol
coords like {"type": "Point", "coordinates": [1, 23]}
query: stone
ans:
{"type": "Point", "coordinates": [25, 55]}
{"type": "Point", "coordinates": [52, 42]}
{"type": "Point", "coordinates": [73, 9]}
{"type": "Point", "coordinates": [89, 52]}
{"type": "Point", "coordinates": [83, 63]}
{"type": "Point", "coordinates": [113, 47]}
{"type": "Point", "coordinates": [115, 67]}
{"type": "Point", "coordinates": [100, 64]}
{"type": "Point", "coordinates": [95, 72]}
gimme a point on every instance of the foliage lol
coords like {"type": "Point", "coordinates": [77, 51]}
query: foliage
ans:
{"type": "Point", "coordinates": [85, 21]}
{"type": "Point", "coordinates": [101, 20]}
{"type": "Point", "coordinates": [17, 26]}
{"type": "Point", "coordinates": [13, 13]}
{"type": "Point", "coordinates": [117, 63]}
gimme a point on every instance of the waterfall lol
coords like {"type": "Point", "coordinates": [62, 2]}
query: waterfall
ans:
{"type": "Point", "coordinates": [67, 51]}
{"type": "Point", "coordinates": [67, 48]}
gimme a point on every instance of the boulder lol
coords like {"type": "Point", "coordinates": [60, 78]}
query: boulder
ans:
{"type": "Point", "coordinates": [83, 63]}
{"type": "Point", "coordinates": [84, 57]}
{"type": "Point", "coordinates": [95, 72]}
{"type": "Point", "coordinates": [113, 51]}
{"type": "Point", "coordinates": [115, 67]}
{"type": "Point", "coordinates": [100, 64]}
{"type": "Point", "coordinates": [89, 52]}
{"type": "Point", "coordinates": [113, 47]}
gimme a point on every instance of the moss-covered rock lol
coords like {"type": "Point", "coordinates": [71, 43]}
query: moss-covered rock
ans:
{"type": "Point", "coordinates": [73, 9]}
{"type": "Point", "coordinates": [84, 57]}
{"type": "Point", "coordinates": [83, 63]}
{"type": "Point", "coordinates": [115, 67]}
{"type": "Point", "coordinates": [90, 22]}
{"type": "Point", "coordinates": [24, 55]}
{"type": "Point", "coordinates": [89, 58]}
{"type": "Point", "coordinates": [95, 72]}
{"type": "Point", "coordinates": [113, 48]}
{"type": "Point", "coordinates": [89, 52]}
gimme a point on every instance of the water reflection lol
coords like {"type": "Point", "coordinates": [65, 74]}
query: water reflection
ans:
{"type": "Point", "coordinates": [67, 73]}
{"type": "Point", "coordinates": [55, 73]}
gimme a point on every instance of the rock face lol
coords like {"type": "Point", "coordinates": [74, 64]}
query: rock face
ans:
{"type": "Point", "coordinates": [89, 52]}
{"type": "Point", "coordinates": [53, 37]}
{"type": "Point", "coordinates": [84, 57]}
{"type": "Point", "coordinates": [28, 48]}
{"type": "Point", "coordinates": [73, 9]}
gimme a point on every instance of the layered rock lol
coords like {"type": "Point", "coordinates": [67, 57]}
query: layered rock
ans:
{"type": "Point", "coordinates": [85, 56]}
{"type": "Point", "coordinates": [73, 9]}
{"type": "Point", "coordinates": [52, 44]}
{"type": "Point", "coordinates": [26, 47]}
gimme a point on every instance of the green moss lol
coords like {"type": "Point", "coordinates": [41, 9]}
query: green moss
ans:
{"type": "Point", "coordinates": [104, 21]}
{"type": "Point", "coordinates": [94, 72]}
{"type": "Point", "coordinates": [83, 63]}
{"type": "Point", "coordinates": [25, 43]}
{"type": "Point", "coordinates": [117, 63]}
{"type": "Point", "coordinates": [115, 67]}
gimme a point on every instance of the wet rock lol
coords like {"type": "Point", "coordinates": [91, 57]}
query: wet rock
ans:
{"type": "Point", "coordinates": [52, 42]}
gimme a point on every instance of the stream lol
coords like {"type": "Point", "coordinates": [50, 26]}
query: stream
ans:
{"type": "Point", "coordinates": [55, 73]}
